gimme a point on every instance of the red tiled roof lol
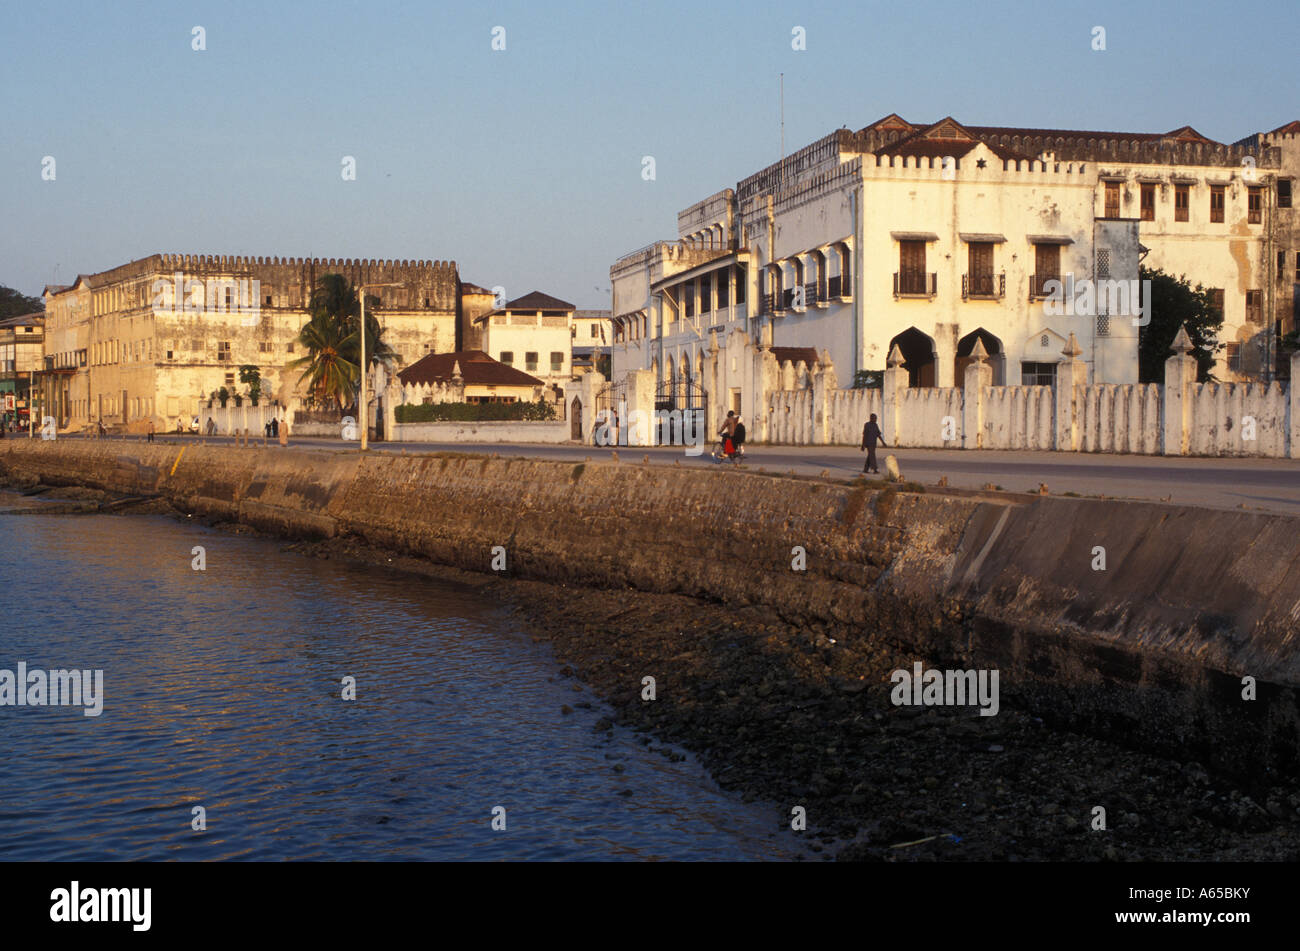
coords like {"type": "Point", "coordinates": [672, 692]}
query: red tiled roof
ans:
{"type": "Point", "coordinates": [476, 368]}
{"type": "Point", "coordinates": [943, 138]}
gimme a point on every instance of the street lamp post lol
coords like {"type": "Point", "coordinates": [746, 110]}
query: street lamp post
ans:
{"type": "Point", "coordinates": [361, 400]}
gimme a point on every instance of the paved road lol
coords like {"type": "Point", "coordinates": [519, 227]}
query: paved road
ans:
{"type": "Point", "coordinates": [1271, 485]}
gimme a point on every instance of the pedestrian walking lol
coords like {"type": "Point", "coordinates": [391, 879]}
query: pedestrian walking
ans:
{"type": "Point", "coordinates": [284, 433]}
{"type": "Point", "coordinates": [151, 430]}
{"type": "Point", "coordinates": [275, 427]}
{"type": "Point", "coordinates": [870, 434]}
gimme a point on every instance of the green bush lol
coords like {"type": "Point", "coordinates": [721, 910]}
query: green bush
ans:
{"type": "Point", "coordinates": [474, 412]}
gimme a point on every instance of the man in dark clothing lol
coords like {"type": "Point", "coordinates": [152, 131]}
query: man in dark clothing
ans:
{"type": "Point", "coordinates": [871, 433]}
{"type": "Point", "coordinates": [738, 440]}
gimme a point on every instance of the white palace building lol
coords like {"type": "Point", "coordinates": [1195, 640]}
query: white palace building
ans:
{"type": "Point", "coordinates": [931, 237]}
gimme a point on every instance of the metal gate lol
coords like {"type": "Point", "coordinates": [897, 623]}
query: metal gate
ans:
{"type": "Point", "coordinates": [611, 400]}
{"type": "Point", "coordinates": [688, 397]}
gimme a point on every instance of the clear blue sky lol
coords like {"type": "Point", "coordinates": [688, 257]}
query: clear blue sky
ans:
{"type": "Point", "coordinates": [524, 166]}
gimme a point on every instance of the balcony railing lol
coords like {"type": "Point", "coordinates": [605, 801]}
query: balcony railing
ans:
{"type": "Point", "coordinates": [1038, 285]}
{"type": "Point", "coordinates": [915, 284]}
{"type": "Point", "coordinates": [767, 303]}
{"type": "Point", "coordinates": [983, 286]}
{"type": "Point", "coordinates": [810, 294]}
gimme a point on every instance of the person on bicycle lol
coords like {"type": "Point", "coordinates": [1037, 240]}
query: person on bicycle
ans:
{"type": "Point", "coordinates": [738, 439]}
{"type": "Point", "coordinates": [727, 433]}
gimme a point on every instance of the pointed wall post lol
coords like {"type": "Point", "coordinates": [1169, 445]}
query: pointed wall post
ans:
{"type": "Point", "coordinates": [1071, 373]}
{"type": "Point", "coordinates": [824, 384]}
{"type": "Point", "coordinates": [891, 397]}
{"type": "Point", "coordinates": [1180, 374]}
{"type": "Point", "coordinates": [1293, 408]}
{"type": "Point", "coordinates": [392, 397]}
{"type": "Point", "coordinates": [978, 375]}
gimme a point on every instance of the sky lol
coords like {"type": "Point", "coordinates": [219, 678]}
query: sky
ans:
{"type": "Point", "coordinates": [524, 164]}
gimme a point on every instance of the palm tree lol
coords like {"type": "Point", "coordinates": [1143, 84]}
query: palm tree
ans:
{"type": "Point", "coordinates": [331, 363]}
{"type": "Point", "coordinates": [331, 377]}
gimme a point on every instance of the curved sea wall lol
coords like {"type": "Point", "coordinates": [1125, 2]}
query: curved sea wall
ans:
{"type": "Point", "coordinates": [1153, 647]}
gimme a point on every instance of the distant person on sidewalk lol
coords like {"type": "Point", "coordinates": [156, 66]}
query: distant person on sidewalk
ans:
{"type": "Point", "coordinates": [284, 433]}
{"type": "Point", "coordinates": [150, 430]}
{"type": "Point", "coordinates": [870, 434]}
{"type": "Point", "coordinates": [275, 427]}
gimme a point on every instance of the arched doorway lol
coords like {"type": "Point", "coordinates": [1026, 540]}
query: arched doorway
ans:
{"type": "Point", "coordinates": [997, 356]}
{"type": "Point", "coordinates": [918, 356]}
{"type": "Point", "coordinates": [575, 419]}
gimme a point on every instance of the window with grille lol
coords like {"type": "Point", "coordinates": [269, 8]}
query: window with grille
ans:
{"type": "Point", "coordinates": [911, 267]}
{"type": "Point", "coordinates": [1047, 267]}
{"type": "Point", "coordinates": [1037, 374]}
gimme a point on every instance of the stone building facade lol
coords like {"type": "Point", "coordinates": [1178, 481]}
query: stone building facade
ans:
{"type": "Point", "coordinates": [936, 237]}
{"type": "Point", "coordinates": [534, 334]}
{"type": "Point", "coordinates": [21, 350]}
{"type": "Point", "coordinates": [153, 338]}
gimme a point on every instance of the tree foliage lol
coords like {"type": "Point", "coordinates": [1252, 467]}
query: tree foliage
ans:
{"type": "Point", "coordinates": [1175, 303]}
{"type": "Point", "coordinates": [15, 304]}
{"type": "Point", "coordinates": [331, 363]}
{"type": "Point", "coordinates": [534, 411]}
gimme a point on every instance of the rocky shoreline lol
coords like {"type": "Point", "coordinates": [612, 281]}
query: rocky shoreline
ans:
{"type": "Point", "coordinates": [780, 712]}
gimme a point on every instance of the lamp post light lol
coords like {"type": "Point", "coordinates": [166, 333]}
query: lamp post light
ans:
{"type": "Point", "coordinates": [361, 400]}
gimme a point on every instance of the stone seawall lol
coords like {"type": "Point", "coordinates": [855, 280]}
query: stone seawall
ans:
{"type": "Point", "coordinates": [1153, 648]}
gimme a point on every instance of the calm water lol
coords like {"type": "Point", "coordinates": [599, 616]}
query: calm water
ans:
{"type": "Point", "coordinates": [222, 689]}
